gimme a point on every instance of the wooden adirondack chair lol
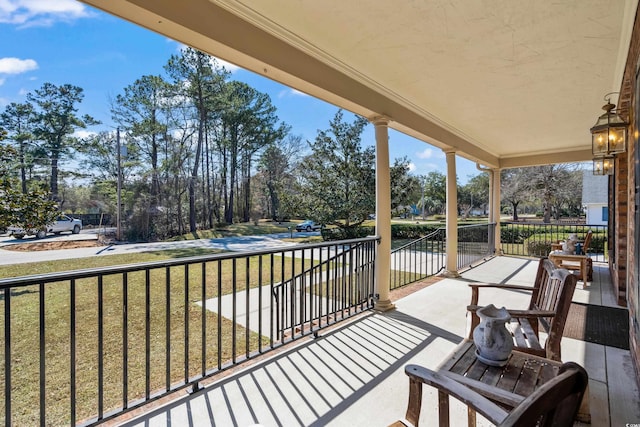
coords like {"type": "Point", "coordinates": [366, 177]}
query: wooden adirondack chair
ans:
{"type": "Point", "coordinates": [555, 403]}
{"type": "Point", "coordinates": [549, 306]}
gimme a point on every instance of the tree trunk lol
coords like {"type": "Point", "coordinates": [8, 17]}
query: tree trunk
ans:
{"type": "Point", "coordinates": [54, 178]}
{"type": "Point", "coordinates": [514, 205]}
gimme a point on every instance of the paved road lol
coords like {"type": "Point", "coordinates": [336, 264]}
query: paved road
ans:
{"type": "Point", "coordinates": [235, 244]}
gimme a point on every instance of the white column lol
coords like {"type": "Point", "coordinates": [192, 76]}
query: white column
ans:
{"type": "Point", "coordinates": [495, 207]}
{"type": "Point", "coordinates": [383, 214]}
{"type": "Point", "coordinates": [452, 217]}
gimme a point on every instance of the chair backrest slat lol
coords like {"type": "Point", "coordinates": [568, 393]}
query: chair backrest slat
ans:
{"type": "Point", "coordinates": [587, 242]}
{"type": "Point", "coordinates": [554, 293]}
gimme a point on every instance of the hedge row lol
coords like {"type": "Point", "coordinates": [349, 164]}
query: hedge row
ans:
{"type": "Point", "coordinates": [398, 231]}
{"type": "Point", "coordinates": [537, 240]}
{"type": "Point", "coordinates": [540, 245]}
{"type": "Point", "coordinates": [518, 234]}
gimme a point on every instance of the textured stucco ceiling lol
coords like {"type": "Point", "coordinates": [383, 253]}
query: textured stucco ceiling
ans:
{"type": "Point", "coordinates": [503, 82]}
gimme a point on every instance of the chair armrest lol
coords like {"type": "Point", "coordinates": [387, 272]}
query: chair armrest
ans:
{"type": "Point", "coordinates": [444, 384]}
{"type": "Point", "coordinates": [498, 286]}
{"type": "Point", "coordinates": [531, 313]}
{"type": "Point", "coordinates": [519, 313]}
{"type": "Point", "coordinates": [475, 288]}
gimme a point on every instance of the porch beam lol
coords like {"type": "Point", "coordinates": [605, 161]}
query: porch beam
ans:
{"type": "Point", "coordinates": [383, 214]}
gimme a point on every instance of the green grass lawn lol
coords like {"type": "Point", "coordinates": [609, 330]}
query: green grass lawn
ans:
{"type": "Point", "coordinates": [166, 289]}
{"type": "Point", "coordinates": [241, 229]}
{"type": "Point", "coordinates": [167, 299]}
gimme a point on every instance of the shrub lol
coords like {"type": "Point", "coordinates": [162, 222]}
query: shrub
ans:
{"type": "Point", "coordinates": [398, 231]}
{"type": "Point", "coordinates": [538, 248]}
{"type": "Point", "coordinates": [330, 234]}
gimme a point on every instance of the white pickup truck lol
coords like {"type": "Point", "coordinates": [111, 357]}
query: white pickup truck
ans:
{"type": "Point", "coordinates": [62, 223]}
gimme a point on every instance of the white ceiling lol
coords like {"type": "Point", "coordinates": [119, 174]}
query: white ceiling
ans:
{"type": "Point", "coordinates": [503, 82]}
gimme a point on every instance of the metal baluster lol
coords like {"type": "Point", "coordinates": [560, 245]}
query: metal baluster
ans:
{"type": "Point", "coordinates": [167, 332]}
{"type": "Point", "coordinates": [100, 347]}
{"type": "Point", "coordinates": [72, 349]}
{"type": "Point", "coordinates": [125, 340]}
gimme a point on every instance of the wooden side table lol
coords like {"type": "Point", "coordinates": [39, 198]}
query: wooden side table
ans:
{"type": "Point", "coordinates": [571, 262]}
{"type": "Point", "coordinates": [507, 385]}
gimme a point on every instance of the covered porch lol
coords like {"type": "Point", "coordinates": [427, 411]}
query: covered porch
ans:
{"type": "Point", "coordinates": [353, 374]}
{"type": "Point", "coordinates": [504, 84]}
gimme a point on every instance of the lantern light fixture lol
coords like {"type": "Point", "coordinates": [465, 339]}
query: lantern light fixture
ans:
{"type": "Point", "coordinates": [609, 134]}
{"type": "Point", "coordinates": [603, 165]}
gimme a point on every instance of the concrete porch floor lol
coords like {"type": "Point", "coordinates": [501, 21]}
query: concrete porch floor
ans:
{"type": "Point", "coordinates": [354, 375]}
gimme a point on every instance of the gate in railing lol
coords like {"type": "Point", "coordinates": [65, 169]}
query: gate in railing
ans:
{"type": "Point", "coordinates": [84, 346]}
{"type": "Point", "coordinates": [535, 239]}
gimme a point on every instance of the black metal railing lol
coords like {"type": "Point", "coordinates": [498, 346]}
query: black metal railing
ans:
{"type": "Point", "coordinates": [82, 347]}
{"type": "Point", "coordinates": [426, 256]}
{"type": "Point", "coordinates": [475, 243]}
{"type": "Point", "coordinates": [418, 260]}
{"type": "Point", "coordinates": [535, 239]}
{"type": "Point", "coordinates": [338, 284]}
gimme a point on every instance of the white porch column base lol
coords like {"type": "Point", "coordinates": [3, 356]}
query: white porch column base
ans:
{"type": "Point", "coordinates": [449, 274]}
{"type": "Point", "coordinates": [383, 306]}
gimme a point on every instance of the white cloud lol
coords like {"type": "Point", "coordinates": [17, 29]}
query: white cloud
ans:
{"type": "Point", "coordinates": [232, 68]}
{"type": "Point", "coordinates": [17, 65]}
{"type": "Point", "coordinates": [430, 153]}
{"type": "Point", "coordinates": [412, 167]}
{"type": "Point", "coordinates": [427, 153]}
{"type": "Point", "coordinates": [285, 93]}
{"type": "Point", "coordinates": [30, 13]}
{"type": "Point", "coordinates": [83, 134]}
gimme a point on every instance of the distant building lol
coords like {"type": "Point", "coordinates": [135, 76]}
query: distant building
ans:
{"type": "Point", "coordinates": [595, 196]}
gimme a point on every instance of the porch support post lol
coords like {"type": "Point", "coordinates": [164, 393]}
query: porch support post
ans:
{"type": "Point", "coordinates": [452, 217]}
{"type": "Point", "coordinates": [495, 208]}
{"type": "Point", "coordinates": [383, 215]}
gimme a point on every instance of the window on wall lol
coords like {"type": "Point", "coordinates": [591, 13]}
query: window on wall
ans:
{"type": "Point", "coordinates": [605, 213]}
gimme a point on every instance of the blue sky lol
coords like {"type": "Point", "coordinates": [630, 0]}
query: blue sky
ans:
{"type": "Point", "coordinates": [64, 41]}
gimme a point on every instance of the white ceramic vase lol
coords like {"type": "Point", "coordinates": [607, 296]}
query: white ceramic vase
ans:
{"type": "Point", "coordinates": [491, 337]}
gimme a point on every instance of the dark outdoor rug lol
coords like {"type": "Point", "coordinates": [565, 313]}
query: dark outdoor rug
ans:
{"type": "Point", "coordinates": [597, 324]}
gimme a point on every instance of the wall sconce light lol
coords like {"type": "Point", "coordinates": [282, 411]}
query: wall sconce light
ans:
{"type": "Point", "coordinates": [608, 138]}
{"type": "Point", "coordinates": [603, 165]}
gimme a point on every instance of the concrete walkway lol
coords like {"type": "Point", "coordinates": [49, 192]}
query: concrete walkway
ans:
{"type": "Point", "coordinates": [353, 375]}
